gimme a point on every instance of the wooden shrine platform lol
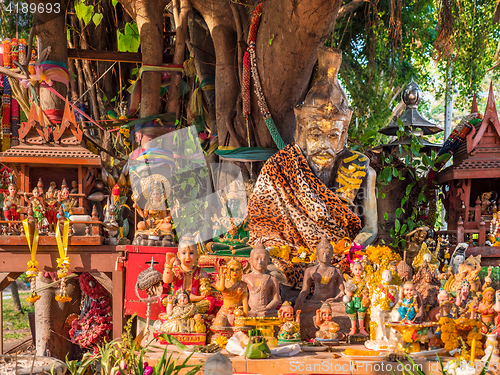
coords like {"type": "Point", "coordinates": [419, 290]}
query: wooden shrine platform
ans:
{"type": "Point", "coordinates": [306, 363]}
{"type": "Point", "coordinates": [105, 260]}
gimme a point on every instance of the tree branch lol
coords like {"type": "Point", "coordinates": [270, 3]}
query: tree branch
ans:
{"type": "Point", "coordinates": [350, 7]}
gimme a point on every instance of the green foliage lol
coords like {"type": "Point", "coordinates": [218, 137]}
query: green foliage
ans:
{"type": "Point", "coordinates": [84, 12]}
{"type": "Point", "coordinates": [97, 18]}
{"type": "Point", "coordinates": [127, 357]}
{"type": "Point", "coordinates": [129, 40]}
{"type": "Point", "coordinates": [8, 19]}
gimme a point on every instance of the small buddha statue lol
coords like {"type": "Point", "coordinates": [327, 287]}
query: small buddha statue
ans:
{"type": "Point", "coordinates": [327, 329]}
{"type": "Point", "coordinates": [263, 288]}
{"type": "Point", "coordinates": [415, 240]}
{"type": "Point", "coordinates": [409, 306]}
{"type": "Point", "coordinates": [187, 275]}
{"type": "Point", "coordinates": [11, 205]}
{"type": "Point", "coordinates": [231, 228]}
{"type": "Point", "coordinates": [290, 330]}
{"type": "Point", "coordinates": [427, 285]}
{"type": "Point", "coordinates": [234, 293]}
{"type": "Point", "coordinates": [357, 299]}
{"type": "Point", "coordinates": [328, 280]}
{"type": "Point", "coordinates": [384, 298]}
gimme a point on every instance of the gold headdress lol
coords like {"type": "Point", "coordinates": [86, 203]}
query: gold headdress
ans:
{"type": "Point", "coordinates": [325, 305]}
{"type": "Point", "coordinates": [234, 262]}
{"type": "Point", "coordinates": [155, 182]}
{"type": "Point", "coordinates": [286, 303]}
{"type": "Point", "coordinates": [489, 289]}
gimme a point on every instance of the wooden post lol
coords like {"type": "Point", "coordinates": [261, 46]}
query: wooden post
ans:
{"type": "Point", "coordinates": [80, 190]}
{"type": "Point", "coordinates": [477, 210]}
{"type": "Point", "coordinates": [1, 322]}
{"type": "Point", "coordinates": [460, 230]}
{"type": "Point", "coordinates": [118, 310]}
{"type": "Point", "coordinates": [482, 232]}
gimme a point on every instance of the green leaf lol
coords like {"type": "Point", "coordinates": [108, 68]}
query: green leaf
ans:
{"type": "Point", "coordinates": [398, 212]}
{"type": "Point", "coordinates": [397, 225]}
{"type": "Point", "coordinates": [386, 216]}
{"type": "Point", "coordinates": [403, 228]}
{"type": "Point", "coordinates": [114, 2]}
{"type": "Point", "coordinates": [97, 18]}
{"type": "Point", "coordinates": [442, 158]}
{"type": "Point", "coordinates": [415, 152]}
{"type": "Point", "coordinates": [84, 12]}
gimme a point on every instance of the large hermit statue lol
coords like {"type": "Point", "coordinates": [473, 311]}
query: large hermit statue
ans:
{"type": "Point", "coordinates": [316, 186]}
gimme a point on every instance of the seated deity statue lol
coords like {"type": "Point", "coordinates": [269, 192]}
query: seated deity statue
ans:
{"type": "Point", "coordinates": [290, 330]}
{"type": "Point", "coordinates": [231, 228]}
{"type": "Point", "coordinates": [316, 186]}
{"type": "Point", "coordinates": [181, 315]}
{"type": "Point", "coordinates": [327, 329]}
{"type": "Point", "coordinates": [416, 246]}
{"type": "Point", "coordinates": [263, 288]}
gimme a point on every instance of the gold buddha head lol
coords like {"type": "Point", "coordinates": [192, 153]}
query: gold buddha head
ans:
{"type": "Point", "coordinates": [322, 120]}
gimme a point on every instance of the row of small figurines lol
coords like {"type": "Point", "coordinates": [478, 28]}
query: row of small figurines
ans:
{"type": "Point", "coordinates": [46, 207]}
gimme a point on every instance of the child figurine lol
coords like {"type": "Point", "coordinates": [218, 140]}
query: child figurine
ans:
{"type": "Point", "coordinates": [290, 330]}
{"type": "Point", "coordinates": [38, 209]}
{"type": "Point", "coordinates": [181, 318]}
{"type": "Point", "coordinates": [11, 205]}
{"type": "Point", "coordinates": [486, 309]}
{"type": "Point", "coordinates": [357, 299]}
{"type": "Point", "coordinates": [51, 208]}
{"type": "Point", "coordinates": [323, 321]}
{"type": "Point", "coordinates": [409, 306]}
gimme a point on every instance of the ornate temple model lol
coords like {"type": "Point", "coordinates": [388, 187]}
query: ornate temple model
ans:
{"type": "Point", "coordinates": [475, 171]}
{"type": "Point", "coordinates": [44, 156]}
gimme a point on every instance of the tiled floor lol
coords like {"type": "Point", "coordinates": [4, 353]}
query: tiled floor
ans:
{"type": "Point", "coordinates": [309, 363]}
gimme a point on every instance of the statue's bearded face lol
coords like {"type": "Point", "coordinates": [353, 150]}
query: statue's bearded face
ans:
{"type": "Point", "coordinates": [324, 139]}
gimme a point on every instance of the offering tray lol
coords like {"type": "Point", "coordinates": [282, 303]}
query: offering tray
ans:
{"type": "Point", "coordinates": [328, 342]}
{"type": "Point", "coordinates": [266, 325]}
{"type": "Point", "coordinates": [410, 334]}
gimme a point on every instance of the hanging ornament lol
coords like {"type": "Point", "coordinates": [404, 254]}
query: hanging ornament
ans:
{"type": "Point", "coordinates": [63, 261]}
{"type": "Point", "coordinates": [31, 232]}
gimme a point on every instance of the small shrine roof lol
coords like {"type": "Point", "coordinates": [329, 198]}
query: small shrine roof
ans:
{"type": "Point", "coordinates": [50, 154]}
{"type": "Point", "coordinates": [471, 168]}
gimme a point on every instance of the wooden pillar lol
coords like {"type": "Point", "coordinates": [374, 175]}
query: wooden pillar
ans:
{"type": "Point", "coordinates": [80, 190]}
{"type": "Point", "coordinates": [118, 310]}
{"type": "Point", "coordinates": [477, 210]}
{"type": "Point", "coordinates": [482, 232]}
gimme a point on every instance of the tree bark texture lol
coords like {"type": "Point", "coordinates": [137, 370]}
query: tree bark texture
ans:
{"type": "Point", "coordinates": [149, 17]}
{"type": "Point", "coordinates": [15, 297]}
{"type": "Point", "coordinates": [51, 32]}
{"type": "Point", "coordinates": [286, 48]}
{"type": "Point", "coordinates": [52, 336]}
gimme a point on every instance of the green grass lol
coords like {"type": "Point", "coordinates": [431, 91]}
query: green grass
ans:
{"type": "Point", "coordinates": [16, 325]}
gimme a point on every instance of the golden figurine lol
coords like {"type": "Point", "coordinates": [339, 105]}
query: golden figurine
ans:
{"type": "Point", "coordinates": [234, 292]}
{"type": "Point", "coordinates": [183, 317]}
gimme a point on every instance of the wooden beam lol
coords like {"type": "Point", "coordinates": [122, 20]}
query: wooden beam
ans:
{"type": "Point", "coordinates": [104, 280]}
{"type": "Point", "coordinates": [7, 278]}
{"type": "Point", "coordinates": [126, 57]}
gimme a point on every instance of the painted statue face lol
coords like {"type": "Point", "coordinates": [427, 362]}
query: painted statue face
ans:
{"type": "Point", "coordinates": [465, 290]}
{"type": "Point", "coordinates": [36, 193]}
{"type": "Point", "coordinates": [65, 194]}
{"type": "Point", "coordinates": [326, 314]}
{"type": "Point", "coordinates": [74, 184]}
{"type": "Point", "coordinates": [325, 255]}
{"type": "Point", "coordinates": [357, 270]}
{"type": "Point", "coordinates": [259, 261]}
{"type": "Point", "coordinates": [234, 272]}
{"type": "Point", "coordinates": [188, 256]}
{"type": "Point", "coordinates": [408, 290]}
{"type": "Point", "coordinates": [488, 295]}
{"type": "Point", "coordinates": [50, 194]}
{"type": "Point", "coordinates": [323, 142]}
{"type": "Point", "coordinates": [12, 190]}
{"type": "Point", "coordinates": [442, 298]}
{"type": "Point", "coordinates": [182, 300]}
{"type": "Point", "coordinates": [156, 196]}
{"type": "Point", "coordinates": [427, 257]}
{"type": "Point", "coordinates": [427, 278]}
{"type": "Point", "coordinates": [288, 312]}
{"type": "Point", "coordinates": [233, 205]}
{"type": "Point", "coordinates": [387, 276]}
